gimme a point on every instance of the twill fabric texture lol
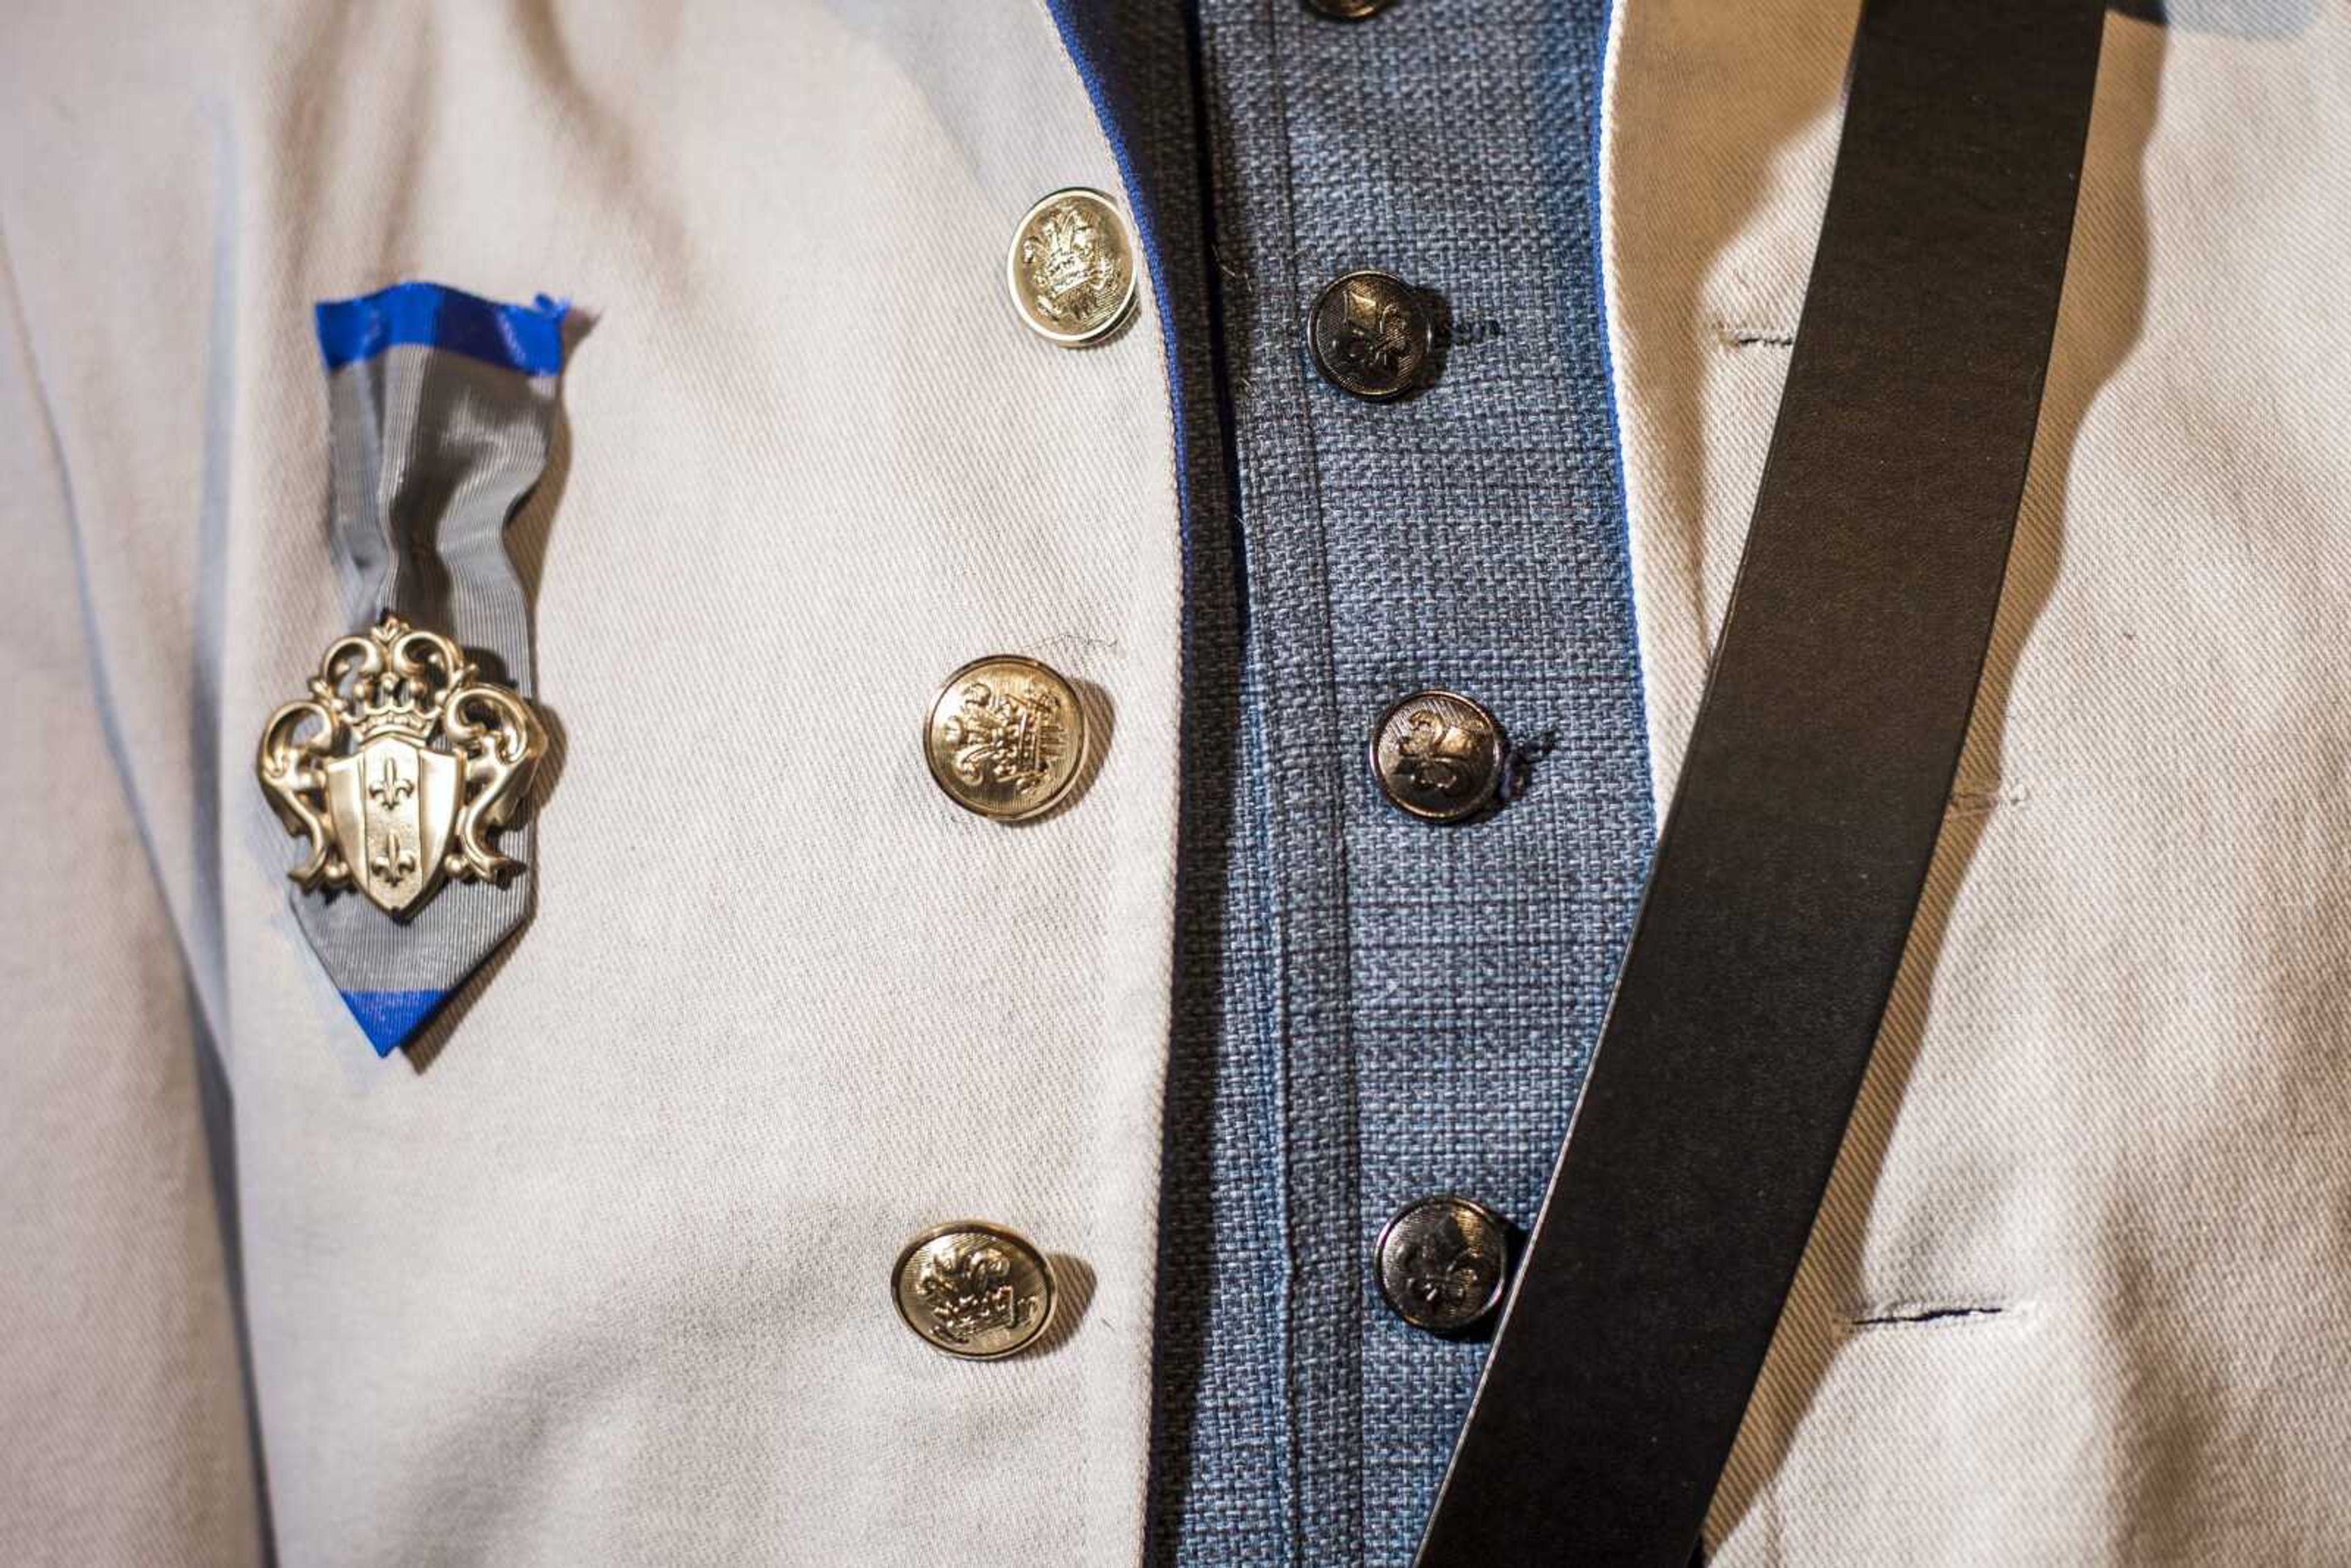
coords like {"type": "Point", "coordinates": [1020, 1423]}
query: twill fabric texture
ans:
{"type": "Point", "coordinates": [2080, 1288]}
{"type": "Point", "coordinates": [1401, 1010]}
{"type": "Point", "coordinates": [596, 1269]}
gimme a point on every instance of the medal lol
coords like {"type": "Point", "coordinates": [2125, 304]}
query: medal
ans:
{"type": "Point", "coordinates": [405, 767]}
{"type": "Point", "coordinates": [397, 766]}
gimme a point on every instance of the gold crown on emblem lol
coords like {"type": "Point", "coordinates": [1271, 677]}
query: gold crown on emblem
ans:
{"type": "Point", "coordinates": [404, 699]}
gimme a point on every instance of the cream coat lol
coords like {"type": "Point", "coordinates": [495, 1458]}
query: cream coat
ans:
{"type": "Point", "coordinates": [598, 1274]}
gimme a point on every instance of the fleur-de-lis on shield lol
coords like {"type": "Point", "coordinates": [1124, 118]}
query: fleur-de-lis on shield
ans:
{"type": "Point", "coordinates": [390, 787]}
{"type": "Point", "coordinates": [393, 862]}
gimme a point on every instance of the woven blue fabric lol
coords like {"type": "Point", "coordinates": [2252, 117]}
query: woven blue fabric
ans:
{"type": "Point", "coordinates": [1370, 1009]}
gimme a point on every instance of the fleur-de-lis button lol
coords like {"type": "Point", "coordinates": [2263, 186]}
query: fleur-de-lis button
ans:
{"type": "Point", "coordinates": [1071, 269]}
{"type": "Point", "coordinates": [1373, 335]}
{"type": "Point", "coordinates": [973, 1289]}
{"type": "Point", "coordinates": [1438, 756]}
{"type": "Point", "coordinates": [1004, 737]}
{"type": "Point", "coordinates": [1442, 1262]}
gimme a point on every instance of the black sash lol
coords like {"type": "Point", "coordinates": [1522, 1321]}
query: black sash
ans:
{"type": "Point", "coordinates": [1792, 858]}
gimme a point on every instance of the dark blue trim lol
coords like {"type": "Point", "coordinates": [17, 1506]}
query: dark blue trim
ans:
{"type": "Point", "coordinates": [389, 1018]}
{"type": "Point", "coordinates": [526, 338]}
{"type": "Point", "coordinates": [1083, 47]}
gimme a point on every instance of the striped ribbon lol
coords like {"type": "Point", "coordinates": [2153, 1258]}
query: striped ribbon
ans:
{"type": "Point", "coordinates": [440, 408]}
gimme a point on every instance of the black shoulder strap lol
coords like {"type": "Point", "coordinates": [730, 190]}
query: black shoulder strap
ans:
{"type": "Point", "coordinates": [1793, 855]}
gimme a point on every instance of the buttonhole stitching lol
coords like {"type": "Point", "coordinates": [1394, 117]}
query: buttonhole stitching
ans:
{"type": "Point", "coordinates": [1518, 764]}
{"type": "Point", "coordinates": [1975, 803]}
{"type": "Point", "coordinates": [1922, 1316]}
{"type": "Point", "coordinates": [1735, 336]}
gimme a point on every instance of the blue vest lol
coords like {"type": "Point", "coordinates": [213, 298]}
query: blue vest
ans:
{"type": "Point", "coordinates": [1370, 1009]}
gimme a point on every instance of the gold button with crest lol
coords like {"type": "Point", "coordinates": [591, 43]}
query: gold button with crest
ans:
{"type": "Point", "coordinates": [1005, 737]}
{"type": "Point", "coordinates": [1071, 269]}
{"type": "Point", "coordinates": [973, 1289]}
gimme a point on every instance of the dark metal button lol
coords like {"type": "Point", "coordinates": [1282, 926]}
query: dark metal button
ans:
{"type": "Point", "coordinates": [1443, 1261]}
{"type": "Point", "coordinates": [1347, 10]}
{"type": "Point", "coordinates": [973, 1289]}
{"type": "Point", "coordinates": [1438, 756]}
{"type": "Point", "coordinates": [1371, 335]}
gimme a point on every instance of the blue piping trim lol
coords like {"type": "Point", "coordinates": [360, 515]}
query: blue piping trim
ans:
{"type": "Point", "coordinates": [1146, 231]}
{"type": "Point", "coordinates": [525, 337]}
{"type": "Point", "coordinates": [389, 1018]}
{"type": "Point", "coordinates": [1078, 43]}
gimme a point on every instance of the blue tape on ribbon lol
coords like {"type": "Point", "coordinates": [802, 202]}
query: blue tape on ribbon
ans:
{"type": "Point", "coordinates": [389, 1018]}
{"type": "Point", "coordinates": [525, 337]}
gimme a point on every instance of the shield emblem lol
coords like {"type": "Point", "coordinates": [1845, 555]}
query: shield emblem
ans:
{"type": "Point", "coordinates": [393, 803]}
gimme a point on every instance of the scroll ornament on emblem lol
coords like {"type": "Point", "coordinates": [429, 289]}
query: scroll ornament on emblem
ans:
{"type": "Point", "coordinates": [398, 766]}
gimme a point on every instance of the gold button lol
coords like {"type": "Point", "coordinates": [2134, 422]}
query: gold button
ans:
{"type": "Point", "coordinates": [1072, 268]}
{"type": "Point", "coordinates": [1006, 737]}
{"type": "Point", "coordinates": [973, 1289]}
{"type": "Point", "coordinates": [1438, 756]}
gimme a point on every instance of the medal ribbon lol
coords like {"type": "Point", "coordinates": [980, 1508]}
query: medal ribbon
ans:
{"type": "Point", "coordinates": [440, 404]}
